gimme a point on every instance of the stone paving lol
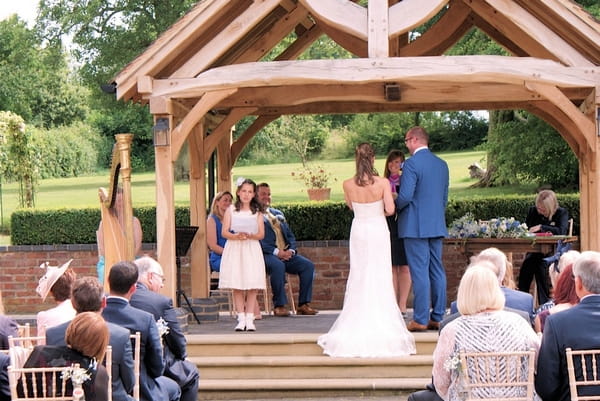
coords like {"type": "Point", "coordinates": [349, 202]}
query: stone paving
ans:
{"type": "Point", "coordinates": [320, 323]}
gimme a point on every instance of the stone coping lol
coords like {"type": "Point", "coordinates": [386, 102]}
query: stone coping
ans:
{"type": "Point", "coordinates": [149, 246]}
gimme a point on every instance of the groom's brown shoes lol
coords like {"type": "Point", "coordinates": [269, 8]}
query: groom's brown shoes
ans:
{"type": "Point", "coordinates": [414, 326]}
{"type": "Point", "coordinates": [432, 325]}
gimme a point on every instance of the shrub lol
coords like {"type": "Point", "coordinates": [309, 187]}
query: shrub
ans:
{"type": "Point", "coordinates": [309, 221]}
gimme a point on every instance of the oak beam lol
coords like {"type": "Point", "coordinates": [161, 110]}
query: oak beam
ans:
{"type": "Point", "coordinates": [343, 16]}
{"type": "Point", "coordinates": [450, 28]}
{"type": "Point", "coordinates": [199, 269]}
{"type": "Point", "coordinates": [378, 29]}
{"type": "Point", "coordinates": [182, 130]}
{"type": "Point", "coordinates": [225, 39]}
{"type": "Point", "coordinates": [301, 43]}
{"type": "Point", "coordinates": [270, 39]}
{"type": "Point", "coordinates": [223, 129]}
{"type": "Point", "coordinates": [584, 125]}
{"type": "Point", "coordinates": [454, 70]}
{"type": "Point", "coordinates": [242, 141]}
{"type": "Point", "coordinates": [409, 14]}
{"type": "Point", "coordinates": [165, 214]}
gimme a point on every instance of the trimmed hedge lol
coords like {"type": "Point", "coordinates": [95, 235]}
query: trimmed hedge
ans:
{"type": "Point", "coordinates": [309, 221]}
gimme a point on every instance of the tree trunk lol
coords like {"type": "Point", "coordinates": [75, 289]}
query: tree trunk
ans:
{"type": "Point", "coordinates": [496, 117]}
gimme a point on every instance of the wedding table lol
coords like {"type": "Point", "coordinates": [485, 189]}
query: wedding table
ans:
{"type": "Point", "coordinates": [543, 244]}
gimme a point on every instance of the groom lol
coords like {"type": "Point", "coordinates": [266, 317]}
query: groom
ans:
{"type": "Point", "coordinates": [421, 204]}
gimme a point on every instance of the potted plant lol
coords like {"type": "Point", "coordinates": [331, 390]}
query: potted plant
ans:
{"type": "Point", "coordinates": [316, 179]}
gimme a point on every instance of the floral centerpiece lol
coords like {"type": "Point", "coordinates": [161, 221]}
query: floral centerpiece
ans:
{"type": "Point", "coordinates": [500, 227]}
{"type": "Point", "coordinates": [316, 179]}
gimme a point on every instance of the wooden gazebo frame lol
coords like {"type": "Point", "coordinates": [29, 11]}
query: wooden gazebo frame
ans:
{"type": "Point", "coordinates": [204, 74]}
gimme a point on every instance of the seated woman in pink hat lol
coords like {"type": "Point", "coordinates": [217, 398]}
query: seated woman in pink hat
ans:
{"type": "Point", "coordinates": [57, 281]}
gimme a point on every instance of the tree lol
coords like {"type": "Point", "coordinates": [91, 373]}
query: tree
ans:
{"type": "Point", "coordinates": [17, 157]}
{"type": "Point", "coordinates": [106, 36]}
{"type": "Point", "coordinates": [36, 83]}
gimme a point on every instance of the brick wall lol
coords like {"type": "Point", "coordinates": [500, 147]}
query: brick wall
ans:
{"type": "Point", "coordinates": [19, 271]}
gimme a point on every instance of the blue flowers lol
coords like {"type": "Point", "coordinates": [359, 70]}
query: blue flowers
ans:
{"type": "Point", "coordinates": [500, 227]}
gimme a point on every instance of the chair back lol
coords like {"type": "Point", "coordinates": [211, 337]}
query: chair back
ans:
{"type": "Point", "coordinates": [108, 365]}
{"type": "Point", "coordinates": [19, 348]}
{"type": "Point", "coordinates": [24, 330]}
{"type": "Point", "coordinates": [135, 340]}
{"type": "Point", "coordinates": [498, 375]}
{"type": "Point", "coordinates": [46, 384]}
{"type": "Point", "coordinates": [584, 377]}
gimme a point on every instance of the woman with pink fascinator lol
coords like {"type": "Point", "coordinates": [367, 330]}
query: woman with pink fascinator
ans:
{"type": "Point", "coordinates": [57, 281]}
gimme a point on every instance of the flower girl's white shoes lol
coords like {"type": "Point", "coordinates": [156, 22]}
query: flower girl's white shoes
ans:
{"type": "Point", "coordinates": [250, 322]}
{"type": "Point", "coordinates": [241, 326]}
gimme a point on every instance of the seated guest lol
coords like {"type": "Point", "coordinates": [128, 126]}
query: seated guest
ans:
{"type": "Point", "coordinates": [500, 265]}
{"type": "Point", "coordinates": [8, 327]}
{"type": "Point", "coordinates": [146, 297]}
{"type": "Point", "coordinates": [564, 297]}
{"type": "Point", "coordinates": [122, 280]}
{"type": "Point", "coordinates": [57, 281]}
{"type": "Point", "coordinates": [281, 256]}
{"type": "Point", "coordinates": [88, 296]}
{"type": "Point", "coordinates": [554, 270]}
{"type": "Point", "coordinates": [86, 338]}
{"type": "Point", "coordinates": [545, 217]}
{"type": "Point", "coordinates": [576, 328]}
{"type": "Point", "coordinates": [483, 326]}
{"type": "Point", "coordinates": [214, 238]}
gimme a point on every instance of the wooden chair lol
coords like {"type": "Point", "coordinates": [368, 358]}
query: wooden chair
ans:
{"type": "Point", "coordinates": [19, 348]}
{"type": "Point", "coordinates": [570, 232]}
{"type": "Point", "coordinates": [39, 383]}
{"type": "Point", "coordinates": [268, 295]}
{"type": "Point", "coordinates": [135, 342]}
{"type": "Point", "coordinates": [584, 377]}
{"type": "Point", "coordinates": [498, 375]}
{"type": "Point", "coordinates": [24, 330]}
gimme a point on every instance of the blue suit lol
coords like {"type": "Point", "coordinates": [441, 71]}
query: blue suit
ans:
{"type": "Point", "coordinates": [276, 268]}
{"type": "Point", "coordinates": [518, 300]}
{"type": "Point", "coordinates": [577, 328]}
{"type": "Point", "coordinates": [4, 385]}
{"type": "Point", "coordinates": [162, 307]}
{"type": "Point", "coordinates": [421, 205]}
{"type": "Point", "coordinates": [8, 327]}
{"type": "Point", "coordinates": [123, 378]}
{"type": "Point", "coordinates": [153, 386]}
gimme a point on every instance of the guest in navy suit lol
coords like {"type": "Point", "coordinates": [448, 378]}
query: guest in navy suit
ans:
{"type": "Point", "coordinates": [87, 295]}
{"type": "Point", "coordinates": [514, 299]}
{"type": "Point", "coordinates": [146, 297]}
{"type": "Point", "coordinates": [577, 327]}
{"type": "Point", "coordinates": [4, 385]}
{"type": "Point", "coordinates": [281, 256]}
{"type": "Point", "coordinates": [421, 205]}
{"type": "Point", "coordinates": [122, 279]}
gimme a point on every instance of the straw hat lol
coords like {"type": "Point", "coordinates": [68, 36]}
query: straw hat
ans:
{"type": "Point", "coordinates": [52, 275]}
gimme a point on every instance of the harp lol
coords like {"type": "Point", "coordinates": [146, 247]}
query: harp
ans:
{"type": "Point", "coordinates": [117, 238]}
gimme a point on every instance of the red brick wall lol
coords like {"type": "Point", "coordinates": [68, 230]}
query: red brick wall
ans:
{"type": "Point", "coordinates": [19, 271]}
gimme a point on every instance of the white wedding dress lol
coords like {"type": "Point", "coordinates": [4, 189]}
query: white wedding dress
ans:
{"type": "Point", "coordinates": [370, 324]}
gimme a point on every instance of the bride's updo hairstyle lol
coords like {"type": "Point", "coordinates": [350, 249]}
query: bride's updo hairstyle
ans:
{"type": "Point", "coordinates": [365, 170]}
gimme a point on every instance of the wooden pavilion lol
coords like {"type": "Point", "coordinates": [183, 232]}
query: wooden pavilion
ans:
{"type": "Point", "coordinates": [206, 72]}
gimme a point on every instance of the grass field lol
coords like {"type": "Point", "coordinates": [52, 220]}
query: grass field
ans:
{"type": "Point", "coordinates": [81, 192]}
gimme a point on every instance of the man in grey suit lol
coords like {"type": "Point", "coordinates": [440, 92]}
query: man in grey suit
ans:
{"type": "Point", "coordinates": [576, 328]}
{"type": "Point", "coordinates": [421, 204]}
{"type": "Point", "coordinates": [87, 295]}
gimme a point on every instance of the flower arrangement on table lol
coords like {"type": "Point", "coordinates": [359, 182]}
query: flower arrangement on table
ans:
{"type": "Point", "coordinates": [313, 176]}
{"type": "Point", "coordinates": [500, 227]}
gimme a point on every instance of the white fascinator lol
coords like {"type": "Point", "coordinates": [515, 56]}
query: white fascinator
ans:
{"type": "Point", "coordinates": [52, 275]}
{"type": "Point", "coordinates": [240, 181]}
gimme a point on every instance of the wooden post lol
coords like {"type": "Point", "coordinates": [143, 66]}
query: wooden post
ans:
{"type": "Point", "coordinates": [224, 163]}
{"type": "Point", "coordinates": [165, 214]}
{"type": "Point", "coordinates": [200, 272]}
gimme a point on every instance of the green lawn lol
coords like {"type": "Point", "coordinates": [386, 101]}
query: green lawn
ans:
{"type": "Point", "coordinates": [82, 192]}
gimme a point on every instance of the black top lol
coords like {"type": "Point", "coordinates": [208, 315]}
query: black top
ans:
{"type": "Point", "coordinates": [95, 389]}
{"type": "Point", "coordinates": [558, 224]}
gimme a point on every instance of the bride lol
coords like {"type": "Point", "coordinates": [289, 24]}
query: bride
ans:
{"type": "Point", "coordinates": [370, 324]}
